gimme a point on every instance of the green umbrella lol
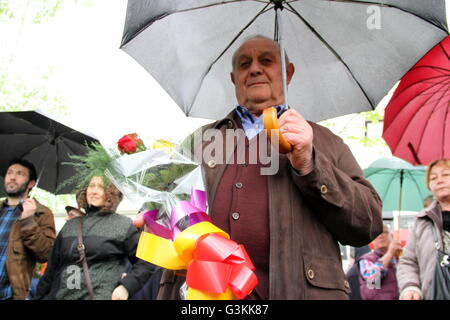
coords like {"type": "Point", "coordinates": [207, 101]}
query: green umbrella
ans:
{"type": "Point", "coordinates": [401, 186]}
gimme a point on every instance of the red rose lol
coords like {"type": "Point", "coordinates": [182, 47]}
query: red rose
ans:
{"type": "Point", "coordinates": [130, 143]}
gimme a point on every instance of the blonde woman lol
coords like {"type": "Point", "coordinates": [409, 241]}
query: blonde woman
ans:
{"type": "Point", "coordinates": [416, 268]}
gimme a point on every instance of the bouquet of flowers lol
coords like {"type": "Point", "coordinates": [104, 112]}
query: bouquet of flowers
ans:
{"type": "Point", "coordinates": [178, 233]}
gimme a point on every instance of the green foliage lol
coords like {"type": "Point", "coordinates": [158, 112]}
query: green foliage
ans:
{"type": "Point", "coordinates": [93, 163]}
{"type": "Point", "coordinates": [38, 11]}
{"type": "Point", "coordinates": [162, 207]}
{"type": "Point", "coordinates": [16, 95]}
{"type": "Point", "coordinates": [163, 177]}
{"type": "Point", "coordinates": [48, 10]}
{"type": "Point", "coordinates": [5, 10]}
{"type": "Point", "coordinates": [362, 135]}
{"type": "Point", "coordinates": [55, 203]}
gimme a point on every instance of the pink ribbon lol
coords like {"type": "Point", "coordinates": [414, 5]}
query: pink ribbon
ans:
{"type": "Point", "coordinates": [185, 214]}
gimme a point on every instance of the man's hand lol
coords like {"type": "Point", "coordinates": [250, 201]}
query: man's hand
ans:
{"type": "Point", "coordinates": [411, 295]}
{"type": "Point", "coordinates": [120, 293]}
{"type": "Point", "coordinates": [297, 131]}
{"type": "Point", "coordinates": [29, 208]}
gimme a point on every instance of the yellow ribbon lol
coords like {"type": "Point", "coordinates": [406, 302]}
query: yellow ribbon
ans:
{"type": "Point", "coordinates": [176, 255]}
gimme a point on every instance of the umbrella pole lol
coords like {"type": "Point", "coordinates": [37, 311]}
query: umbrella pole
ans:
{"type": "Point", "coordinates": [400, 203]}
{"type": "Point", "coordinates": [397, 220]}
{"type": "Point", "coordinates": [283, 56]}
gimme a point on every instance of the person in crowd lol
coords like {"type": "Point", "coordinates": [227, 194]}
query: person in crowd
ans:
{"type": "Point", "coordinates": [290, 221]}
{"type": "Point", "coordinates": [109, 241]}
{"type": "Point", "coordinates": [417, 265]}
{"type": "Point", "coordinates": [353, 272]}
{"type": "Point", "coordinates": [377, 269]}
{"type": "Point", "coordinates": [27, 231]}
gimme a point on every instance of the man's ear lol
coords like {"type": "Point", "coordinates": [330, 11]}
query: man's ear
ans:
{"type": "Point", "coordinates": [31, 184]}
{"type": "Point", "coordinates": [290, 69]}
{"type": "Point", "coordinates": [232, 77]}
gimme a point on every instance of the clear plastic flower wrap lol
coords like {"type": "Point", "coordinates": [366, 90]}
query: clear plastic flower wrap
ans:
{"type": "Point", "coordinates": [156, 179]}
{"type": "Point", "coordinates": [179, 234]}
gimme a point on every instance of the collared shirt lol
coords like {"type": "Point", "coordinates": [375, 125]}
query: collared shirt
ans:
{"type": "Point", "coordinates": [8, 215]}
{"type": "Point", "coordinates": [251, 124]}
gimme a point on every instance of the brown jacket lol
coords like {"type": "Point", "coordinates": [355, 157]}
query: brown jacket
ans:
{"type": "Point", "coordinates": [308, 215]}
{"type": "Point", "coordinates": [30, 241]}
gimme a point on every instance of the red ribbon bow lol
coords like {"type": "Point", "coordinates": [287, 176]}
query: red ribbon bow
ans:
{"type": "Point", "coordinates": [219, 263]}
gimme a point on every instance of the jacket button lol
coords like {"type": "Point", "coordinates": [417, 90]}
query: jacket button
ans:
{"type": "Point", "coordinates": [239, 185]}
{"type": "Point", "coordinates": [311, 274]}
{"type": "Point", "coordinates": [211, 163]}
{"type": "Point", "coordinates": [323, 189]}
{"type": "Point", "coordinates": [235, 215]}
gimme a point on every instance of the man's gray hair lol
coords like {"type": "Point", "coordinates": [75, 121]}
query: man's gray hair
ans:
{"type": "Point", "coordinates": [257, 36]}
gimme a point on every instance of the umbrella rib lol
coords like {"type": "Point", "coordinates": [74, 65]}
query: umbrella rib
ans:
{"type": "Point", "coordinates": [164, 15]}
{"type": "Point", "coordinates": [85, 137]}
{"type": "Point", "coordinates": [444, 74]}
{"type": "Point", "coordinates": [419, 94]}
{"type": "Point", "coordinates": [310, 27]}
{"type": "Point", "coordinates": [442, 83]}
{"type": "Point", "coordinates": [444, 50]}
{"type": "Point", "coordinates": [34, 148]}
{"type": "Point", "coordinates": [434, 110]}
{"type": "Point", "coordinates": [445, 126]}
{"type": "Point", "coordinates": [262, 11]}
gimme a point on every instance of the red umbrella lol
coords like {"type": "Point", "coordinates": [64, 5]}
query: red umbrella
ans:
{"type": "Point", "coordinates": [417, 118]}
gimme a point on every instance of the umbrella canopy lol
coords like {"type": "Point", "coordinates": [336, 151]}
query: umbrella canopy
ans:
{"type": "Point", "coordinates": [348, 54]}
{"type": "Point", "coordinates": [45, 143]}
{"type": "Point", "coordinates": [401, 186]}
{"type": "Point", "coordinates": [417, 118]}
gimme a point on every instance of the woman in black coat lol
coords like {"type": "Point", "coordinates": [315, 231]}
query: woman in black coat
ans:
{"type": "Point", "coordinates": [110, 241]}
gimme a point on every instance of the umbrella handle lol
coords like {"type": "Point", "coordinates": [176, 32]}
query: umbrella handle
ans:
{"type": "Point", "coordinates": [272, 128]}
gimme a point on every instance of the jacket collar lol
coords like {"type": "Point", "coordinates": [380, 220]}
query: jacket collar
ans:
{"type": "Point", "coordinates": [433, 212]}
{"type": "Point", "coordinates": [231, 121]}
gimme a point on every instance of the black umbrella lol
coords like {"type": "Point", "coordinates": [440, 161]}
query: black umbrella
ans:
{"type": "Point", "coordinates": [348, 54]}
{"type": "Point", "coordinates": [44, 142]}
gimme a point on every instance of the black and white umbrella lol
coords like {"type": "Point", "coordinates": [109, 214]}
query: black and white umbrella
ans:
{"type": "Point", "coordinates": [348, 54]}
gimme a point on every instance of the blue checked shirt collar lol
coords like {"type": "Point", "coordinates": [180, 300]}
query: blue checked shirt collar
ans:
{"type": "Point", "coordinates": [251, 124]}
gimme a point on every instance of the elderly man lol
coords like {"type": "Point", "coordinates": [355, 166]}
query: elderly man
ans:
{"type": "Point", "coordinates": [27, 231]}
{"type": "Point", "coordinates": [289, 221]}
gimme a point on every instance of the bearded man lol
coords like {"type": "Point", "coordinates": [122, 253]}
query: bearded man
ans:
{"type": "Point", "coordinates": [27, 231]}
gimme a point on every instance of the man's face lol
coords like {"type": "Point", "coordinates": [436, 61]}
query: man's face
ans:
{"type": "Point", "coordinates": [17, 181]}
{"type": "Point", "coordinates": [257, 75]}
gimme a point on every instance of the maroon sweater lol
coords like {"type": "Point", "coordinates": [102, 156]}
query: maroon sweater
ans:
{"type": "Point", "coordinates": [241, 209]}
